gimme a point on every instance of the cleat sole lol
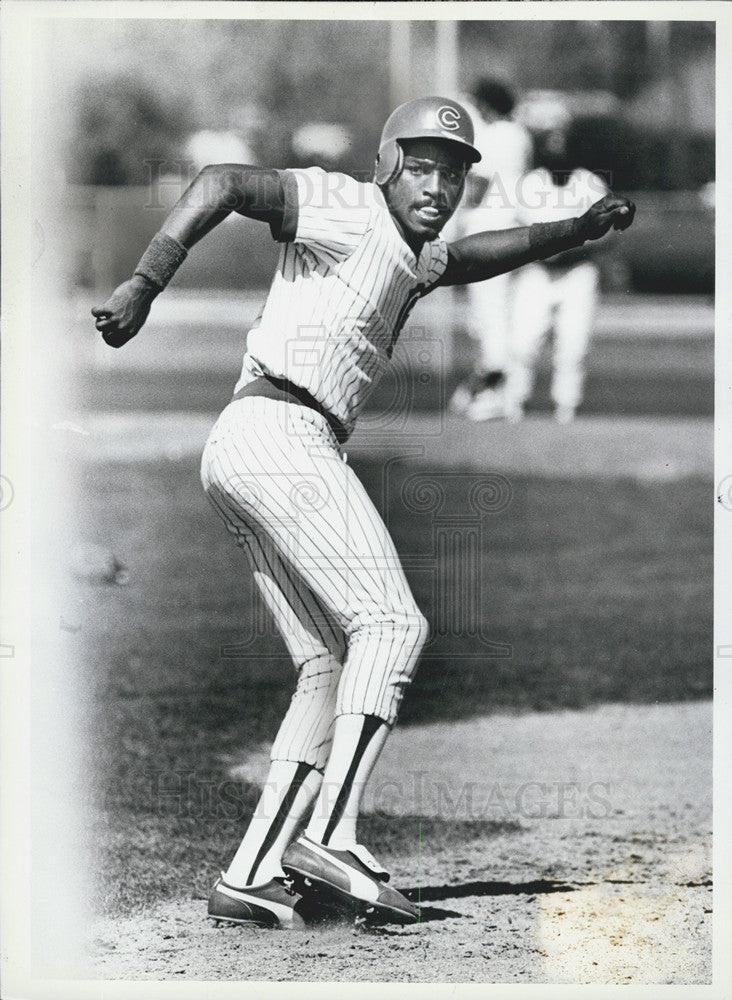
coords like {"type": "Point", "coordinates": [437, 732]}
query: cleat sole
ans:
{"type": "Point", "coordinates": [370, 912]}
{"type": "Point", "coordinates": [234, 922]}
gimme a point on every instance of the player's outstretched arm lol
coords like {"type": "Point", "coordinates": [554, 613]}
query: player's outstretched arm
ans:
{"type": "Point", "coordinates": [485, 255]}
{"type": "Point", "coordinates": [216, 192]}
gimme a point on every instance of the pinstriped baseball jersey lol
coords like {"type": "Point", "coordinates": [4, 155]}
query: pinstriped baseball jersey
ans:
{"type": "Point", "coordinates": [345, 284]}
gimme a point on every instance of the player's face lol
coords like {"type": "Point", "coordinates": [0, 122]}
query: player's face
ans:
{"type": "Point", "coordinates": [428, 189]}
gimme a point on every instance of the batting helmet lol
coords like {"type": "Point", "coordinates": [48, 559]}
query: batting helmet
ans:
{"type": "Point", "coordinates": [425, 118]}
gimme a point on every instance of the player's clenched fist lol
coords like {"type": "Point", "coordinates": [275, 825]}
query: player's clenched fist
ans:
{"type": "Point", "coordinates": [125, 311]}
{"type": "Point", "coordinates": [610, 212]}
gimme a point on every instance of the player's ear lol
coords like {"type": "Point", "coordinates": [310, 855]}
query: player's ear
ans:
{"type": "Point", "coordinates": [389, 163]}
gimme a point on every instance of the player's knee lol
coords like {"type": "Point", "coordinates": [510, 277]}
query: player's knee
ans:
{"type": "Point", "coordinates": [317, 675]}
{"type": "Point", "coordinates": [406, 629]}
{"type": "Point", "coordinates": [413, 630]}
{"type": "Point", "coordinates": [419, 630]}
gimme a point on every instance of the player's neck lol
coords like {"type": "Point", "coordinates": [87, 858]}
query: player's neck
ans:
{"type": "Point", "coordinates": [415, 243]}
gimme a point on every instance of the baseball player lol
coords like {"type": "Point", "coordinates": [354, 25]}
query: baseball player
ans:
{"type": "Point", "coordinates": [491, 196]}
{"type": "Point", "coordinates": [561, 293]}
{"type": "Point", "coordinates": [354, 259]}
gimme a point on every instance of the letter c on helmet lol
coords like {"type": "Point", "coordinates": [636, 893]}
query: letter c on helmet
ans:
{"type": "Point", "coordinates": [449, 118]}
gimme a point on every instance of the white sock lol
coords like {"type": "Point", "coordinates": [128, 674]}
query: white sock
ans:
{"type": "Point", "coordinates": [357, 742]}
{"type": "Point", "coordinates": [288, 793]}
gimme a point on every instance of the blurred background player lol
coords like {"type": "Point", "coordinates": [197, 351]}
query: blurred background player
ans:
{"type": "Point", "coordinates": [322, 144]}
{"type": "Point", "coordinates": [506, 149]}
{"type": "Point", "coordinates": [560, 293]}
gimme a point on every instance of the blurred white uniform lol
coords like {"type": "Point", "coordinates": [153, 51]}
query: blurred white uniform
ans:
{"type": "Point", "coordinates": [506, 149]}
{"type": "Point", "coordinates": [218, 146]}
{"type": "Point", "coordinates": [560, 293]}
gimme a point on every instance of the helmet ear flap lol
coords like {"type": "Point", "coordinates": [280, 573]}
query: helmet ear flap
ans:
{"type": "Point", "coordinates": [389, 163]}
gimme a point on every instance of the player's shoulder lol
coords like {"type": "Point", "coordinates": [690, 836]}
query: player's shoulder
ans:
{"type": "Point", "coordinates": [503, 130]}
{"type": "Point", "coordinates": [330, 188]}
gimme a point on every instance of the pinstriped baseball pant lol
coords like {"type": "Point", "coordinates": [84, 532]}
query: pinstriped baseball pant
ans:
{"type": "Point", "coordinates": [324, 563]}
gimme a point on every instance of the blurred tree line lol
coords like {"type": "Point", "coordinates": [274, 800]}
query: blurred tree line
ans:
{"type": "Point", "coordinates": [139, 89]}
{"type": "Point", "coordinates": [137, 100]}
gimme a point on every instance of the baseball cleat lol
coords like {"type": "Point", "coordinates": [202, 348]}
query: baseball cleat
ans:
{"type": "Point", "coordinates": [266, 905]}
{"type": "Point", "coordinates": [461, 399]}
{"type": "Point", "coordinates": [480, 396]}
{"type": "Point", "coordinates": [487, 405]}
{"type": "Point", "coordinates": [351, 877]}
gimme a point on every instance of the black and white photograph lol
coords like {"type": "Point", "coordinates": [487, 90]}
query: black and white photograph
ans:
{"type": "Point", "coordinates": [364, 471]}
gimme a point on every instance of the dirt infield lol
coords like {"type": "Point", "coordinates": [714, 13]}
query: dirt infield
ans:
{"type": "Point", "coordinates": [564, 847]}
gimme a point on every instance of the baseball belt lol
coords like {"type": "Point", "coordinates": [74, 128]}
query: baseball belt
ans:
{"type": "Point", "coordinates": [282, 388]}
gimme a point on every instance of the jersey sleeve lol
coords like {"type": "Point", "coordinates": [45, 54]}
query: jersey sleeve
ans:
{"type": "Point", "coordinates": [435, 264]}
{"type": "Point", "coordinates": [327, 212]}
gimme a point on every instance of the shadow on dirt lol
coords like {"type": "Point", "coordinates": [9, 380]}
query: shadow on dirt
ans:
{"type": "Point", "coordinates": [535, 888]}
{"type": "Point", "coordinates": [429, 913]}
